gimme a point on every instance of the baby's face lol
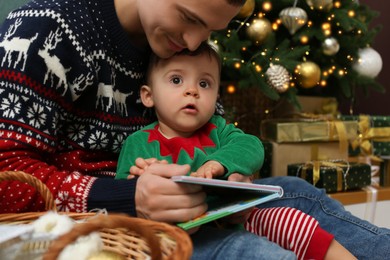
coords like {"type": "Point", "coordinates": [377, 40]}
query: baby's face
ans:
{"type": "Point", "coordinates": [185, 90]}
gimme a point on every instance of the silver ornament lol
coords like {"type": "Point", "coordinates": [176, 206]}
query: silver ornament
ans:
{"type": "Point", "coordinates": [369, 63]}
{"type": "Point", "coordinates": [278, 78]}
{"type": "Point", "coordinates": [330, 46]}
{"type": "Point", "coordinates": [293, 18]}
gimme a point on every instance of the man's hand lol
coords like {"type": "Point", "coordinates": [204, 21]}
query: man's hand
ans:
{"type": "Point", "coordinates": [160, 199]}
{"type": "Point", "coordinates": [141, 165]}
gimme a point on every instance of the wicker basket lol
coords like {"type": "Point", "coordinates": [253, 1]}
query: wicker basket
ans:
{"type": "Point", "coordinates": [132, 238]}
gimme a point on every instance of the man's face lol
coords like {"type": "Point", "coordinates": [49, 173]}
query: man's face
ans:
{"type": "Point", "coordinates": [173, 25]}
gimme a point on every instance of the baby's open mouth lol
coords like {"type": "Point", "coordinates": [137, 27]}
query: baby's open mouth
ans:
{"type": "Point", "coordinates": [190, 107]}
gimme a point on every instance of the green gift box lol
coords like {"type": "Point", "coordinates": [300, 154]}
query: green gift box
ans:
{"type": "Point", "coordinates": [307, 130]}
{"type": "Point", "coordinates": [333, 176]}
{"type": "Point", "coordinates": [374, 135]}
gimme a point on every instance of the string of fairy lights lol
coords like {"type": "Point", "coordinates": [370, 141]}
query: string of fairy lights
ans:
{"type": "Point", "coordinates": [315, 48]}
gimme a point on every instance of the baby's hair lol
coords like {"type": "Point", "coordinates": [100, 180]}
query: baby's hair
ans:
{"type": "Point", "coordinates": [204, 48]}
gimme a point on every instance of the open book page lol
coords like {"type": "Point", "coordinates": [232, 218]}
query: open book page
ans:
{"type": "Point", "coordinates": [227, 197]}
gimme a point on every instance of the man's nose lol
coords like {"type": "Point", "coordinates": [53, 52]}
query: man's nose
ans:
{"type": "Point", "coordinates": [194, 38]}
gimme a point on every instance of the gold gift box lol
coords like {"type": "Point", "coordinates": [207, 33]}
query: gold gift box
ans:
{"type": "Point", "coordinates": [306, 130]}
{"type": "Point", "coordinates": [284, 154]}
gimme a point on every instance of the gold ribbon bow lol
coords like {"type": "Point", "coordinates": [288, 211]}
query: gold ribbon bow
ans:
{"type": "Point", "coordinates": [367, 134]}
{"type": "Point", "coordinates": [339, 165]}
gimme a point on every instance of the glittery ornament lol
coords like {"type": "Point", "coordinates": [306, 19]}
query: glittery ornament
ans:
{"type": "Point", "coordinates": [293, 18]}
{"type": "Point", "coordinates": [330, 46]}
{"type": "Point", "coordinates": [278, 78]}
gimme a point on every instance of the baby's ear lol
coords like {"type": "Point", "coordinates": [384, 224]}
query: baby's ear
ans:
{"type": "Point", "coordinates": [146, 96]}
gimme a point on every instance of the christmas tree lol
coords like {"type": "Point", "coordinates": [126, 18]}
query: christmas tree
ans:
{"type": "Point", "coordinates": [308, 47]}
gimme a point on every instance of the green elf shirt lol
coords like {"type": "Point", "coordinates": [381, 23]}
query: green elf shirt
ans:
{"type": "Point", "coordinates": [236, 151]}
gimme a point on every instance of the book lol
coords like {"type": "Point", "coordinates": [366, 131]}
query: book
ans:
{"type": "Point", "coordinates": [227, 197]}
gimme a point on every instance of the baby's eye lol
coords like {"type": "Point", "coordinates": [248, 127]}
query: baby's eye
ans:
{"type": "Point", "coordinates": [176, 80]}
{"type": "Point", "coordinates": [204, 84]}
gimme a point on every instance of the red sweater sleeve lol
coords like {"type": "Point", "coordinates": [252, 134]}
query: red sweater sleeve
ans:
{"type": "Point", "coordinates": [72, 189]}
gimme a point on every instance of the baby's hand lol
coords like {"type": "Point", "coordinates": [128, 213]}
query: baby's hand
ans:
{"type": "Point", "coordinates": [240, 177]}
{"type": "Point", "coordinates": [141, 165]}
{"type": "Point", "coordinates": [209, 170]}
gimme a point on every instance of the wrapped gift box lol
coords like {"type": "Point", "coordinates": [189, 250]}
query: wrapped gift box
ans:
{"type": "Point", "coordinates": [364, 195]}
{"type": "Point", "coordinates": [309, 104]}
{"type": "Point", "coordinates": [384, 172]}
{"type": "Point", "coordinates": [333, 176]}
{"type": "Point", "coordinates": [371, 203]}
{"type": "Point", "coordinates": [281, 155]}
{"type": "Point", "coordinates": [307, 130]}
{"type": "Point", "coordinates": [374, 135]}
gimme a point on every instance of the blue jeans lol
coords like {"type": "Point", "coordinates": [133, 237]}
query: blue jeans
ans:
{"type": "Point", "coordinates": [364, 240]}
{"type": "Point", "coordinates": [212, 243]}
{"type": "Point", "coordinates": [361, 238]}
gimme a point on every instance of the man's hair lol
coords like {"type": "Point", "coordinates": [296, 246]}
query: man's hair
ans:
{"type": "Point", "coordinates": [204, 48]}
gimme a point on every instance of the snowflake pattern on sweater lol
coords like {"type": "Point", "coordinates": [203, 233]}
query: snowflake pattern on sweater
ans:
{"type": "Point", "coordinates": [69, 80]}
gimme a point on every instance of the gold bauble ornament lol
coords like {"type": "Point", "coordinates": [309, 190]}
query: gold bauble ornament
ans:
{"type": "Point", "coordinates": [293, 18]}
{"type": "Point", "coordinates": [247, 9]}
{"type": "Point", "coordinates": [308, 74]}
{"type": "Point", "coordinates": [320, 4]}
{"type": "Point", "coordinates": [259, 30]}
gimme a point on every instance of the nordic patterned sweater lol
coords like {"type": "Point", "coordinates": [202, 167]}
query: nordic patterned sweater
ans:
{"type": "Point", "coordinates": [236, 151]}
{"type": "Point", "coordinates": [69, 81]}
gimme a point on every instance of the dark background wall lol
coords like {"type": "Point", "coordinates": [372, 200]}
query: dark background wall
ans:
{"type": "Point", "coordinates": [376, 103]}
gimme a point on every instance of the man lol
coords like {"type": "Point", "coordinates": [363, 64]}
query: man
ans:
{"type": "Point", "coordinates": [70, 75]}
